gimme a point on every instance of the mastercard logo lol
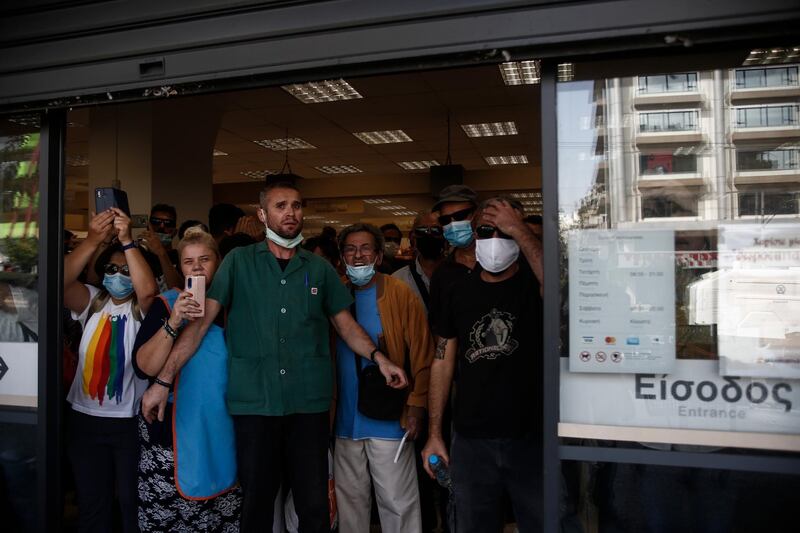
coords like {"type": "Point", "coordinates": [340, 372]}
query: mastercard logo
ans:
{"type": "Point", "coordinates": [611, 340]}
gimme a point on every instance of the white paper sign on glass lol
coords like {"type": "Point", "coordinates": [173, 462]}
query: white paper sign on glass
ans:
{"type": "Point", "coordinates": [758, 300]}
{"type": "Point", "coordinates": [622, 300]}
{"type": "Point", "coordinates": [19, 363]}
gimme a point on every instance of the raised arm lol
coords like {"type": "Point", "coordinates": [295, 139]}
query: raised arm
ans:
{"type": "Point", "coordinates": [144, 283]}
{"type": "Point", "coordinates": [510, 222]}
{"type": "Point", "coordinates": [357, 339]}
{"type": "Point", "coordinates": [152, 355]}
{"type": "Point", "coordinates": [76, 295]}
{"type": "Point", "coordinates": [155, 398]}
{"type": "Point", "coordinates": [172, 277]}
{"type": "Point", "coordinates": [442, 368]}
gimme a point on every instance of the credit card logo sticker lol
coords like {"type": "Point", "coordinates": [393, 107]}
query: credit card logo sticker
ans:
{"type": "Point", "coordinates": [587, 339]}
{"type": "Point", "coordinates": [611, 340]}
{"type": "Point", "coordinates": [632, 341]}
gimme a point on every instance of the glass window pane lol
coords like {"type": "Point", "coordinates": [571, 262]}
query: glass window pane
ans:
{"type": "Point", "coordinates": [679, 267]}
{"type": "Point", "coordinates": [19, 309]}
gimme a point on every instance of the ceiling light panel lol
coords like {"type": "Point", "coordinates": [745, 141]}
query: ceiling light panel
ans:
{"type": "Point", "coordinates": [521, 72]}
{"type": "Point", "coordinates": [383, 137]}
{"type": "Point", "coordinates": [77, 160]}
{"type": "Point", "coordinates": [768, 56]}
{"type": "Point", "coordinates": [566, 71]}
{"type": "Point", "coordinates": [391, 207]}
{"type": "Point", "coordinates": [507, 160]}
{"type": "Point", "coordinates": [339, 169]}
{"type": "Point", "coordinates": [290, 143]}
{"type": "Point", "coordinates": [377, 201]}
{"type": "Point", "coordinates": [257, 174]}
{"type": "Point", "coordinates": [490, 129]}
{"type": "Point", "coordinates": [404, 213]}
{"type": "Point", "coordinates": [317, 92]}
{"type": "Point", "coordinates": [218, 153]}
{"type": "Point", "coordinates": [418, 165]}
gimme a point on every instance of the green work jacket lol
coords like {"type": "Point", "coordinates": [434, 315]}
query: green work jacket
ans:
{"type": "Point", "coordinates": [279, 359]}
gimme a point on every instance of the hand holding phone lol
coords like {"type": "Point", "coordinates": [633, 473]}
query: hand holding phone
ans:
{"type": "Point", "coordinates": [196, 285]}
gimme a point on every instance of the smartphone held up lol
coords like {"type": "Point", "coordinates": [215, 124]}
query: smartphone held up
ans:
{"type": "Point", "coordinates": [196, 285]}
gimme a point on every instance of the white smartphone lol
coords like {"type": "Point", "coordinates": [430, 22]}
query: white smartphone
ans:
{"type": "Point", "coordinates": [197, 286]}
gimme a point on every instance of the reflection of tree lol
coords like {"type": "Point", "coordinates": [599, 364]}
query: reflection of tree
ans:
{"type": "Point", "coordinates": [22, 253]}
{"type": "Point", "coordinates": [19, 183]}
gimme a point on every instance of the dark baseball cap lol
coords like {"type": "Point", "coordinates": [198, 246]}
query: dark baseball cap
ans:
{"type": "Point", "coordinates": [455, 193]}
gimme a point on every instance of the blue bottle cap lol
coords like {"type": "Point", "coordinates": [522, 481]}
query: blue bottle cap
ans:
{"type": "Point", "coordinates": [433, 459]}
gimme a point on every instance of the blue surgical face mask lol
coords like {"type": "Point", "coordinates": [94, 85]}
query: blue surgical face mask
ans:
{"type": "Point", "coordinates": [283, 241]}
{"type": "Point", "coordinates": [118, 285]}
{"type": "Point", "coordinates": [360, 275]}
{"type": "Point", "coordinates": [459, 233]}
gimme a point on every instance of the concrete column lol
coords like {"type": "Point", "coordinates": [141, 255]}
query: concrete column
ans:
{"type": "Point", "coordinates": [184, 132]}
{"type": "Point", "coordinates": [158, 152]}
{"type": "Point", "coordinates": [120, 152]}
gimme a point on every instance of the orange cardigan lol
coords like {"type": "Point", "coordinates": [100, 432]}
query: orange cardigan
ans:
{"type": "Point", "coordinates": [405, 334]}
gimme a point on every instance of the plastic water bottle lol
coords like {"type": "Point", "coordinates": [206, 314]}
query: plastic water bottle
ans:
{"type": "Point", "coordinates": [441, 472]}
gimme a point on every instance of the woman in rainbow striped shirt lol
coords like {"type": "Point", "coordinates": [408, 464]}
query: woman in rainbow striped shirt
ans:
{"type": "Point", "coordinates": [102, 441]}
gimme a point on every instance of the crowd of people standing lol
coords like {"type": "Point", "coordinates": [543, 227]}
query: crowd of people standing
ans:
{"type": "Point", "coordinates": [307, 357]}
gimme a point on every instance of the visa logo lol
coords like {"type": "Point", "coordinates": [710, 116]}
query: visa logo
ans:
{"type": "Point", "coordinates": [587, 339]}
{"type": "Point", "coordinates": [632, 341]}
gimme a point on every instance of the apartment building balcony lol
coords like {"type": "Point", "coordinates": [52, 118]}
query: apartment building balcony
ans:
{"type": "Point", "coordinates": [677, 126]}
{"type": "Point", "coordinates": [677, 88]}
{"type": "Point", "coordinates": [766, 121]}
{"type": "Point", "coordinates": [778, 166]}
{"type": "Point", "coordinates": [765, 82]}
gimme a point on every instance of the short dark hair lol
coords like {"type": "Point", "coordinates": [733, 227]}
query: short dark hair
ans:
{"type": "Point", "coordinates": [533, 219]}
{"type": "Point", "coordinates": [223, 217]}
{"type": "Point", "coordinates": [363, 226]}
{"type": "Point", "coordinates": [275, 185]}
{"type": "Point", "coordinates": [234, 241]}
{"type": "Point", "coordinates": [389, 226]}
{"type": "Point", "coordinates": [188, 224]}
{"type": "Point", "coordinates": [165, 208]}
{"type": "Point", "coordinates": [328, 232]}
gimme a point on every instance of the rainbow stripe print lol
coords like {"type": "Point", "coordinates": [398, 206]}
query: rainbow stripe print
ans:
{"type": "Point", "coordinates": [104, 366]}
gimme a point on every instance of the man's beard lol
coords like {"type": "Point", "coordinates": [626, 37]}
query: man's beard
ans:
{"type": "Point", "coordinates": [292, 235]}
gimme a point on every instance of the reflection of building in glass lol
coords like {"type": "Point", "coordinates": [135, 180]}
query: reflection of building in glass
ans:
{"type": "Point", "coordinates": [694, 146]}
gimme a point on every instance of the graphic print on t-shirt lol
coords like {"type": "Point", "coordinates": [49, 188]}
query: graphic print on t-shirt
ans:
{"type": "Point", "coordinates": [490, 337]}
{"type": "Point", "coordinates": [104, 367]}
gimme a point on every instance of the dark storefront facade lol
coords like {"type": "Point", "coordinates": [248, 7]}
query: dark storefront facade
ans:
{"type": "Point", "coordinates": [670, 152]}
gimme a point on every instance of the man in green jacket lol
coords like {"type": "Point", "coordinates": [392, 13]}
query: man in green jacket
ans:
{"type": "Point", "coordinates": [279, 299]}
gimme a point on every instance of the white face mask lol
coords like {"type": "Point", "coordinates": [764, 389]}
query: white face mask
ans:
{"type": "Point", "coordinates": [283, 241]}
{"type": "Point", "coordinates": [496, 254]}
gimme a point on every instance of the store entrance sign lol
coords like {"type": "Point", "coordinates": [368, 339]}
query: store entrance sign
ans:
{"type": "Point", "coordinates": [622, 301]}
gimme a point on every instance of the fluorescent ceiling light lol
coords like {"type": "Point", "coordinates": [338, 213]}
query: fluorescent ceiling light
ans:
{"type": "Point", "coordinates": [218, 153]}
{"type": "Point", "coordinates": [383, 137]}
{"type": "Point", "coordinates": [77, 160]}
{"type": "Point", "coordinates": [526, 195]}
{"type": "Point", "coordinates": [257, 174]}
{"type": "Point", "coordinates": [391, 207]}
{"type": "Point", "coordinates": [291, 143]}
{"type": "Point", "coordinates": [25, 120]}
{"type": "Point", "coordinates": [316, 92]}
{"type": "Point", "coordinates": [418, 165]}
{"type": "Point", "coordinates": [377, 201]}
{"type": "Point", "coordinates": [767, 56]}
{"type": "Point", "coordinates": [507, 159]}
{"type": "Point", "coordinates": [339, 169]}
{"type": "Point", "coordinates": [489, 129]}
{"type": "Point", "coordinates": [520, 72]}
{"type": "Point", "coordinates": [566, 71]}
{"type": "Point", "coordinates": [404, 213]}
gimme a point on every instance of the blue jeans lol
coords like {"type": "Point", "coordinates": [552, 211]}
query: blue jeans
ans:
{"type": "Point", "coordinates": [485, 471]}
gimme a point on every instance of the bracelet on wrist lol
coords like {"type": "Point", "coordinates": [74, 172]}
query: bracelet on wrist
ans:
{"type": "Point", "coordinates": [372, 354]}
{"type": "Point", "coordinates": [163, 383]}
{"type": "Point", "coordinates": [169, 329]}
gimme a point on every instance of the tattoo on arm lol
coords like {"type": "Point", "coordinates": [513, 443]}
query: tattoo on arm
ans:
{"type": "Point", "coordinates": [442, 344]}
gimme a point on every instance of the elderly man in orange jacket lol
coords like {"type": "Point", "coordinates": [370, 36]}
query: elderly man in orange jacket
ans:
{"type": "Point", "coordinates": [373, 421]}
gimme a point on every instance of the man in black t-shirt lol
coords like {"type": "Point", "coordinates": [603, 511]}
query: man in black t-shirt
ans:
{"type": "Point", "coordinates": [491, 327]}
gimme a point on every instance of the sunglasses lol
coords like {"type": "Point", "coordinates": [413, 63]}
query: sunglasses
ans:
{"type": "Point", "coordinates": [486, 231]}
{"type": "Point", "coordinates": [112, 269]}
{"type": "Point", "coordinates": [458, 215]}
{"type": "Point", "coordinates": [166, 222]}
{"type": "Point", "coordinates": [424, 231]}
